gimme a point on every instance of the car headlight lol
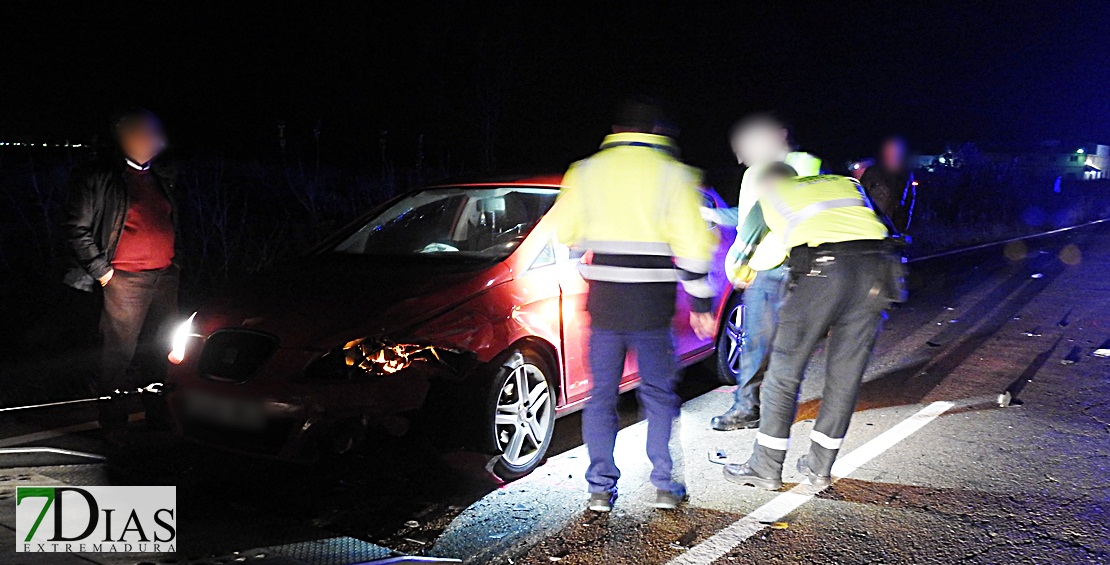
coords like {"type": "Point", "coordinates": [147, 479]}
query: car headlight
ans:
{"type": "Point", "coordinates": [180, 340]}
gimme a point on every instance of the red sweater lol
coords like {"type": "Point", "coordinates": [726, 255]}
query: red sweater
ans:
{"type": "Point", "coordinates": [147, 239]}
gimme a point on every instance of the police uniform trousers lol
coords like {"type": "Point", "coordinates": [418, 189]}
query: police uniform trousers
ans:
{"type": "Point", "coordinates": [840, 296]}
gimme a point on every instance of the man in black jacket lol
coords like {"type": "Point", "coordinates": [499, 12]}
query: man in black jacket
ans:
{"type": "Point", "coordinates": [120, 224]}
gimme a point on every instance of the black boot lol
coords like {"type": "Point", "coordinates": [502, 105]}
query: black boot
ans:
{"type": "Point", "coordinates": [735, 419]}
{"type": "Point", "coordinates": [815, 480]}
{"type": "Point", "coordinates": [742, 474]}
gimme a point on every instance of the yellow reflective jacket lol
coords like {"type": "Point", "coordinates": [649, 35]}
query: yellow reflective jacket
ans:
{"type": "Point", "coordinates": [820, 209]}
{"type": "Point", "coordinates": [771, 251]}
{"type": "Point", "coordinates": [635, 201]}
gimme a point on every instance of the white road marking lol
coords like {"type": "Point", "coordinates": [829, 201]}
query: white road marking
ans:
{"type": "Point", "coordinates": [59, 432]}
{"type": "Point", "coordinates": [723, 541]}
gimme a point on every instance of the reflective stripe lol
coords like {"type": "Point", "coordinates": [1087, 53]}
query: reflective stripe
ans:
{"type": "Point", "coordinates": [824, 440]}
{"type": "Point", "coordinates": [608, 273]}
{"type": "Point", "coordinates": [699, 288]}
{"type": "Point", "coordinates": [628, 247]}
{"type": "Point", "coordinates": [692, 265]}
{"type": "Point", "coordinates": [778, 444]}
{"type": "Point", "coordinates": [794, 219]}
{"type": "Point", "coordinates": [812, 210]}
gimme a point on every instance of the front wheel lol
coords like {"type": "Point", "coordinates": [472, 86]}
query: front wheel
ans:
{"type": "Point", "coordinates": [520, 415]}
{"type": "Point", "coordinates": [730, 341]}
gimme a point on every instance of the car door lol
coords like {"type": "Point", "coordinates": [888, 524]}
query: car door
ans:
{"type": "Point", "coordinates": [686, 343]}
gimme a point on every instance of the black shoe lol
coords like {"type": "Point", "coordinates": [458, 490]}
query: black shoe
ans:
{"type": "Point", "coordinates": [815, 480]}
{"type": "Point", "coordinates": [602, 501]}
{"type": "Point", "coordinates": [735, 420]}
{"type": "Point", "coordinates": [667, 500]}
{"type": "Point", "coordinates": [742, 474]}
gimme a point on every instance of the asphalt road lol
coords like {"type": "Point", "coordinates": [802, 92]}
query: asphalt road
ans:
{"type": "Point", "coordinates": [933, 469]}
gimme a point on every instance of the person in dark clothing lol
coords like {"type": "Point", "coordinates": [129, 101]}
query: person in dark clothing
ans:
{"type": "Point", "coordinates": [890, 184]}
{"type": "Point", "coordinates": [120, 225]}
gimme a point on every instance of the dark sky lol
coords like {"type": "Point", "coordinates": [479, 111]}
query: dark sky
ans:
{"type": "Point", "coordinates": [547, 76]}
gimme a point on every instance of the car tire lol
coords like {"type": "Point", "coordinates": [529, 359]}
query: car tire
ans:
{"type": "Point", "coordinates": [518, 429]}
{"type": "Point", "coordinates": [730, 341]}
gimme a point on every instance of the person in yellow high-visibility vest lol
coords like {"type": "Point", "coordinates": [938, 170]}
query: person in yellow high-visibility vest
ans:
{"type": "Point", "coordinates": [634, 207]}
{"type": "Point", "coordinates": [844, 273]}
{"type": "Point", "coordinates": [755, 260]}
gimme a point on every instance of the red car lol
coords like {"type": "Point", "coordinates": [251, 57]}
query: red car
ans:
{"type": "Point", "coordinates": [455, 296]}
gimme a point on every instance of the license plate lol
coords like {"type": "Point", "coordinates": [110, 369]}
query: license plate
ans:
{"type": "Point", "coordinates": [221, 410]}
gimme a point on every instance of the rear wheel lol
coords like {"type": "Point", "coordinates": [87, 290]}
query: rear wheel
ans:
{"type": "Point", "coordinates": [520, 415]}
{"type": "Point", "coordinates": [730, 341]}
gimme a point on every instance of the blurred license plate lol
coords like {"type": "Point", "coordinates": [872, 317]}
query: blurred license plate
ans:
{"type": "Point", "coordinates": [224, 411]}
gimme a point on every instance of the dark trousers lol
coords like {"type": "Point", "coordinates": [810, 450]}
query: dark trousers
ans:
{"type": "Point", "coordinates": [762, 302]}
{"type": "Point", "coordinates": [661, 404]}
{"type": "Point", "coordinates": [136, 326]}
{"type": "Point", "coordinates": [845, 303]}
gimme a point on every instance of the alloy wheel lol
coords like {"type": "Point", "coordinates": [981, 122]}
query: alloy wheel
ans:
{"type": "Point", "coordinates": [523, 415]}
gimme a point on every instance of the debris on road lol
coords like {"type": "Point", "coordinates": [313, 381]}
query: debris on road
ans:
{"type": "Point", "coordinates": [1101, 352]}
{"type": "Point", "coordinates": [1004, 399]}
{"type": "Point", "coordinates": [1073, 356]}
{"type": "Point", "coordinates": [412, 524]}
{"type": "Point", "coordinates": [718, 456]}
{"type": "Point", "coordinates": [1035, 332]}
{"type": "Point", "coordinates": [686, 540]}
{"type": "Point", "coordinates": [1037, 276]}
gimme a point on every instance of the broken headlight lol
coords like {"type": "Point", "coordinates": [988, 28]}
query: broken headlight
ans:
{"type": "Point", "coordinates": [367, 357]}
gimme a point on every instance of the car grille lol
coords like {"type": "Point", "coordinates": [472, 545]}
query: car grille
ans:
{"type": "Point", "coordinates": [234, 355]}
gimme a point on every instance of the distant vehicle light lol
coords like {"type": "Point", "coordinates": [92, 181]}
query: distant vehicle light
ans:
{"type": "Point", "coordinates": [943, 160]}
{"type": "Point", "coordinates": [180, 340]}
{"type": "Point", "coordinates": [1080, 151]}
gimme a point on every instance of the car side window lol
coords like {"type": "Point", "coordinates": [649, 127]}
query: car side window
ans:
{"type": "Point", "coordinates": [545, 258]}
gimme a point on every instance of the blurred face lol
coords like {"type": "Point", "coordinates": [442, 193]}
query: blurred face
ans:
{"type": "Point", "coordinates": [142, 139]}
{"type": "Point", "coordinates": [894, 153]}
{"type": "Point", "coordinates": [759, 144]}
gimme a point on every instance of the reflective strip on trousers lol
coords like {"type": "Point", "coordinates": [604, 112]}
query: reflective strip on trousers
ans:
{"type": "Point", "coordinates": [825, 441]}
{"type": "Point", "coordinates": [778, 444]}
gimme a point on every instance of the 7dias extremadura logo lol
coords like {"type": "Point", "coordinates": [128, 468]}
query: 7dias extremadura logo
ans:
{"type": "Point", "coordinates": [96, 519]}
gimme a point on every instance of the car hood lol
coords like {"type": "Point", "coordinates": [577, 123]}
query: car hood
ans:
{"type": "Point", "coordinates": [326, 301]}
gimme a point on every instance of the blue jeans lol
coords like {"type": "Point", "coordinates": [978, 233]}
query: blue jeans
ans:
{"type": "Point", "coordinates": [762, 302]}
{"type": "Point", "coordinates": [658, 399]}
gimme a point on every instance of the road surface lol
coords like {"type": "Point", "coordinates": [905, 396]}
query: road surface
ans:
{"type": "Point", "coordinates": [933, 470]}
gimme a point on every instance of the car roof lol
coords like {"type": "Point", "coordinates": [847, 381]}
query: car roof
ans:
{"type": "Point", "coordinates": [552, 180]}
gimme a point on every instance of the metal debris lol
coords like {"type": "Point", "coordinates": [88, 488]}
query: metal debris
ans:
{"type": "Point", "coordinates": [718, 456]}
{"type": "Point", "coordinates": [1035, 332]}
{"type": "Point", "coordinates": [1073, 356]}
{"type": "Point", "coordinates": [412, 524]}
{"type": "Point", "coordinates": [1102, 352]}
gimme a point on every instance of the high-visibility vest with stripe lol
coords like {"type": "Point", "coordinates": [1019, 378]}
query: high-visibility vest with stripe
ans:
{"type": "Point", "coordinates": [820, 209]}
{"type": "Point", "coordinates": [768, 252]}
{"type": "Point", "coordinates": [636, 204]}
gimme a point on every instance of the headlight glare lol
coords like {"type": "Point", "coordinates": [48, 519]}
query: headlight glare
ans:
{"type": "Point", "coordinates": [180, 340]}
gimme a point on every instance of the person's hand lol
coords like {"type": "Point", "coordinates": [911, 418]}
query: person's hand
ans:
{"type": "Point", "coordinates": [710, 215]}
{"type": "Point", "coordinates": [107, 277]}
{"type": "Point", "coordinates": [744, 278]}
{"type": "Point", "coordinates": [703, 324]}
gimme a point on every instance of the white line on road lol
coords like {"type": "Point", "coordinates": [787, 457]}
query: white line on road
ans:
{"type": "Point", "coordinates": [59, 432]}
{"type": "Point", "coordinates": [723, 541]}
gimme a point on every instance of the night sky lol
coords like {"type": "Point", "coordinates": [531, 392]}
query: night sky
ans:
{"type": "Point", "coordinates": [546, 76]}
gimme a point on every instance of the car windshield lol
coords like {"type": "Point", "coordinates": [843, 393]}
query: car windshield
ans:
{"type": "Point", "coordinates": [476, 222]}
